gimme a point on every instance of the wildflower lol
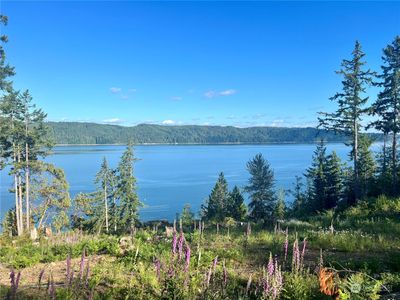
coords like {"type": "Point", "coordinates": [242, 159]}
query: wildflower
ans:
{"type": "Point", "coordinates": [208, 277]}
{"type": "Point", "coordinates": [174, 242]}
{"type": "Point", "coordinates": [82, 265]}
{"type": "Point", "coordinates": [303, 251]}
{"type": "Point", "coordinates": [157, 264]}
{"type": "Point", "coordinates": [214, 265]}
{"type": "Point", "coordinates": [12, 279]}
{"type": "Point", "coordinates": [187, 258]}
{"type": "Point", "coordinates": [225, 274]}
{"type": "Point", "coordinates": [17, 281]}
{"type": "Point", "coordinates": [270, 267]}
{"type": "Point", "coordinates": [296, 256]}
{"type": "Point", "coordinates": [180, 245]}
{"type": "Point", "coordinates": [286, 245]}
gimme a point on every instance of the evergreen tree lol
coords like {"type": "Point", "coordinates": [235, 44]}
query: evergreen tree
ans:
{"type": "Point", "coordinates": [50, 190]}
{"type": "Point", "coordinates": [367, 166]}
{"type": "Point", "coordinates": [236, 208]}
{"type": "Point", "coordinates": [334, 181]}
{"type": "Point", "coordinates": [261, 189]}
{"type": "Point", "coordinates": [351, 107]}
{"type": "Point", "coordinates": [300, 198]}
{"type": "Point", "coordinates": [187, 215]}
{"type": "Point", "coordinates": [103, 180]}
{"type": "Point", "coordinates": [280, 207]}
{"type": "Point", "coordinates": [316, 175]}
{"type": "Point", "coordinates": [387, 105]}
{"type": "Point", "coordinates": [126, 191]}
{"type": "Point", "coordinates": [216, 208]}
{"type": "Point", "coordinates": [6, 70]}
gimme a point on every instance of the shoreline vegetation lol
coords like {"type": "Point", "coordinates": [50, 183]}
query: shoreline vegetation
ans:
{"type": "Point", "coordinates": [80, 133]}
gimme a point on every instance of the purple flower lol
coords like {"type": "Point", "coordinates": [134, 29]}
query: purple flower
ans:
{"type": "Point", "coordinates": [214, 265]}
{"type": "Point", "coordinates": [270, 266]}
{"type": "Point", "coordinates": [208, 277]}
{"type": "Point", "coordinates": [296, 256]}
{"type": "Point", "coordinates": [180, 245]}
{"type": "Point", "coordinates": [157, 264]}
{"type": "Point", "coordinates": [17, 281]}
{"type": "Point", "coordinates": [82, 265]}
{"type": "Point", "coordinates": [187, 258]}
{"type": "Point", "coordinates": [12, 279]}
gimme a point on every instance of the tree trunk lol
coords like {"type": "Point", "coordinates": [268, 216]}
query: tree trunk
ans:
{"type": "Point", "coordinates": [355, 158]}
{"type": "Point", "coordinates": [28, 210]}
{"type": "Point", "coordinates": [394, 160]}
{"type": "Point", "coordinates": [106, 206]}
{"type": "Point", "coordinates": [21, 214]}
{"type": "Point", "coordinates": [19, 232]}
{"type": "Point", "coordinates": [384, 153]}
{"type": "Point", "coordinates": [42, 217]}
{"type": "Point", "coordinates": [115, 220]}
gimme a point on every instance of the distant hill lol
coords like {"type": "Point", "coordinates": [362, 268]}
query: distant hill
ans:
{"type": "Point", "coordinates": [92, 133]}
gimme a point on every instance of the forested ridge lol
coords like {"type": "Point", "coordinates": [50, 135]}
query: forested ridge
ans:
{"type": "Point", "coordinates": [92, 133]}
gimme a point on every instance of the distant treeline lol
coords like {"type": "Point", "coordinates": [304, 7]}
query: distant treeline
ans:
{"type": "Point", "coordinates": [92, 133]}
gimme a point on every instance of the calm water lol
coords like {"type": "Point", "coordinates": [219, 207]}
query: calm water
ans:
{"type": "Point", "coordinates": [170, 176]}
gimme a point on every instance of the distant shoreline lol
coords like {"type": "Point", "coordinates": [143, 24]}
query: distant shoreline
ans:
{"type": "Point", "coordinates": [199, 144]}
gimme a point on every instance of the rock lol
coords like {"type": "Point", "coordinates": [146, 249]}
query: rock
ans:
{"type": "Point", "coordinates": [48, 232]}
{"type": "Point", "coordinates": [34, 234]}
{"type": "Point", "coordinates": [169, 231]}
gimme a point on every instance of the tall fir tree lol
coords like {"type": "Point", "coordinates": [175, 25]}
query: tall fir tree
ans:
{"type": "Point", "coordinates": [300, 197]}
{"type": "Point", "coordinates": [387, 105]}
{"type": "Point", "coordinates": [103, 180]}
{"type": "Point", "coordinates": [236, 208]}
{"type": "Point", "coordinates": [280, 207]}
{"type": "Point", "coordinates": [126, 191]}
{"type": "Point", "coordinates": [351, 101]}
{"type": "Point", "coordinates": [261, 189]}
{"type": "Point", "coordinates": [316, 175]}
{"type": "Point", "coordinates": [334, 181]}
{"type": "Point", "coordinates": [216, 206]}
{"type": "Point", "coordinates": [367, 166]}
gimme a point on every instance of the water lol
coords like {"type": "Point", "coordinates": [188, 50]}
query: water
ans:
{"type": "Point", "coordinates": [168, 176]}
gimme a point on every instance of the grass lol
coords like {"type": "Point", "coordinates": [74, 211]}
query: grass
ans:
{"type": "Point", "coordinates": [362, 254]}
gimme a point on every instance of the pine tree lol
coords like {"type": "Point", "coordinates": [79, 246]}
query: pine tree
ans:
{"type": "Point", "coordinates": [334, 181]}
{"type": "Point", "coordinates": [126, 191]}
{"type": "Point", "coordinates": [261, 189]}
{"type": "Point", "coordinates": [280, 207]}
{"type": "Point", "coordinates": [387, 105]}
{"type": "Point", "coordinates": [300, 198]}
{"type": "Point", "coordinates": [367, 166]}
{"type": "Point", "coordinates": [6, 70]}
{"type": "Point", "coordinates": [50, 188]}
{"type": "Point", "coordinates": [316, 175]}
{"type": "Point", "coordinates": [351, 106]}
{"type": "Point", "coordinates": [216, 206]}
{"type": "Point", "coordinates": [103, 180]}
{"type": "Point", "coordinates": [236, 208]}
{"type": "Point", "coordinates": [187, 215]}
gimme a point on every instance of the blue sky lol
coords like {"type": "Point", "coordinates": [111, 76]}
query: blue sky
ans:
{"type": "Point", "coordinates": [216, 63]}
